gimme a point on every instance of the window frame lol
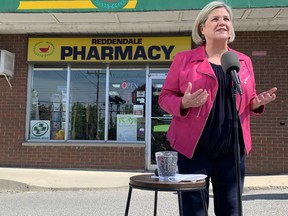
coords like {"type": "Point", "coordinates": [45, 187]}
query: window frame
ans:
{"type": "Point", "coordinates": [69, 142]}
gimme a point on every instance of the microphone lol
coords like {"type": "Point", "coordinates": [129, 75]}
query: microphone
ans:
{"type": "Point", "coordinates": [231, 65]}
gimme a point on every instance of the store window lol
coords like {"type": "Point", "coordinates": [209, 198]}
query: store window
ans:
{"type": "Point", "coordinates": [87, 104]}
{"type": "Point", "coordinates": [70, 104]}
{"type": "Point", "coordinates": [47, 110]}
{"type": "Point", "coordinates": [127, 95]}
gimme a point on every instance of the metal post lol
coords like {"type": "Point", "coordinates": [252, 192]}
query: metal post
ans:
{"type": "Point", "coordinates": [237, 152]}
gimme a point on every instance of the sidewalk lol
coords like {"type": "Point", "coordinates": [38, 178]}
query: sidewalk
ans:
{"type": "Point", "coordinates": [90, 179]}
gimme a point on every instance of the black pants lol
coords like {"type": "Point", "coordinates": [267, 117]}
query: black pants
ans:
{"type": "Point", "coordinates": [222, 172]}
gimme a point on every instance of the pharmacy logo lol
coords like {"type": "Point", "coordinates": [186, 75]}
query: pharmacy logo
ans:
{"type": "Point", "coordinates": [44, 49]}
{"type": "Point", "coordinates": [110, 4]}
{"type": "Point", "coordinates": [40, 129]}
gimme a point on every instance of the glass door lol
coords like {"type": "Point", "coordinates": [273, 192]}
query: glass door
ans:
{"type": "Point", "coordinates": [159, 122]}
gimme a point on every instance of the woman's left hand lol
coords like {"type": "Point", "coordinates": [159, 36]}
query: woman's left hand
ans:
{"type": "Point", "coordinates": [263, 98]}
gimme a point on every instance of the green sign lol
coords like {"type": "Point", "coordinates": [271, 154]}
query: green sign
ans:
{"type": "Point", "coordinates": [28, 6]}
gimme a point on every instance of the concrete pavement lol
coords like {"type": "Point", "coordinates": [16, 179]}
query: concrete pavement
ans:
{"type": "Point", "coordinates": [91, 179]}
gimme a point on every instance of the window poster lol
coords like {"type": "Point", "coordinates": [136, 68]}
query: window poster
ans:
{"type": "Point", "coordinates": [141, 94]}
{"type": "Point", "coordinates": [39, 129]}
{"type": "Point", "coordinates": [138, 110]}
{"type": "Point", "coordinates": [126, 128]}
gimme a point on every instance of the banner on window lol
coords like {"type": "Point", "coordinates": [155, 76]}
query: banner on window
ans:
{"type": "Point", "coordinates": [39, 129]}
{"type": "Point", "coordinates": [126, 128]}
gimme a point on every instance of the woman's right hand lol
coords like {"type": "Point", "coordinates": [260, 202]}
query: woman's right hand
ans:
{"type": "Point", "coordinates": [196, 99]}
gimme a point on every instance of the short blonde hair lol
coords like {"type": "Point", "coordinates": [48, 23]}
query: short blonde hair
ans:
{"type": "Point", "coordinates": [202, 18]}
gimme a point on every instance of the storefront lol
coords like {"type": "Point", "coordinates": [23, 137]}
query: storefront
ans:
{"type": "Point", "coordinates": [87, 74]}
{"type": "Point", "coordinates": [99, 91]}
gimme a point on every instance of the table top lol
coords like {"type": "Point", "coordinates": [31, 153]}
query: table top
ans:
{"type": "Point", "coordinates": [145, 182]}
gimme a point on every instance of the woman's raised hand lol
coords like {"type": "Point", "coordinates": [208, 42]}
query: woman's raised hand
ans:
{"type": "Point", "coordinates": [263, 98]}
{"type": "Point", "coordinates": [196, 99]}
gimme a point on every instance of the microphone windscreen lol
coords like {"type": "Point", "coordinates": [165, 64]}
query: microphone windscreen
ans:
{"type": "Point", "coordinates": [230, 61]}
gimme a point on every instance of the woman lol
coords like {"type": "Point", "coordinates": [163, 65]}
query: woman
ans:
{"type": "Point", "coordinates": [197, 92]}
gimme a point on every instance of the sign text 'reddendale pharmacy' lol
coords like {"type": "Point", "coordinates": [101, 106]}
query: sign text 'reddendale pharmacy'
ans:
{"type": "Point", "coordinates": [123, 49]}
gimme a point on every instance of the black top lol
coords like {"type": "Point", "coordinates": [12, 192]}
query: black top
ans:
{"type": "Point", "coordinates": [217, 138]}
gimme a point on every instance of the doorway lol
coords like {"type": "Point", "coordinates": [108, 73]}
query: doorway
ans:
{"type": "Point", "coordinates": [158, 121]}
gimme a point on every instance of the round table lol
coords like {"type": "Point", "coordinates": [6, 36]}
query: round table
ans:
{"type": "Point", "coordinates": [147, 182]}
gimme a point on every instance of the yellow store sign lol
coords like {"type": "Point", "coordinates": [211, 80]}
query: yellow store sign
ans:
{"type": "Point", "coordinates": [120, 49]}
{"type": "Point", "coordinates": [76, 4]}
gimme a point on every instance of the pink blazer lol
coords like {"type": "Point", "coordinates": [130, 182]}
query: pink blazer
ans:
{"type": "Point", "coordinates": [186, 126]}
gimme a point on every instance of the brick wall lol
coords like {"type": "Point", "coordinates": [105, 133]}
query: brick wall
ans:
{"type": "Point", "coordinates": [269, 131]}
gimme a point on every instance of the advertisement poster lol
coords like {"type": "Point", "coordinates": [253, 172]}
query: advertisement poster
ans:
{"type": "Point", "coordinates": [39, 129]}
{"type": "Point", "coordinates": [126, 128]}
{"type": "Point", "coordinates": [138, 110]}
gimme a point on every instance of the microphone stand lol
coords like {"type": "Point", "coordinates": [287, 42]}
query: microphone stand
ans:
{"type": "Point", "coordinates": [237, 151]}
